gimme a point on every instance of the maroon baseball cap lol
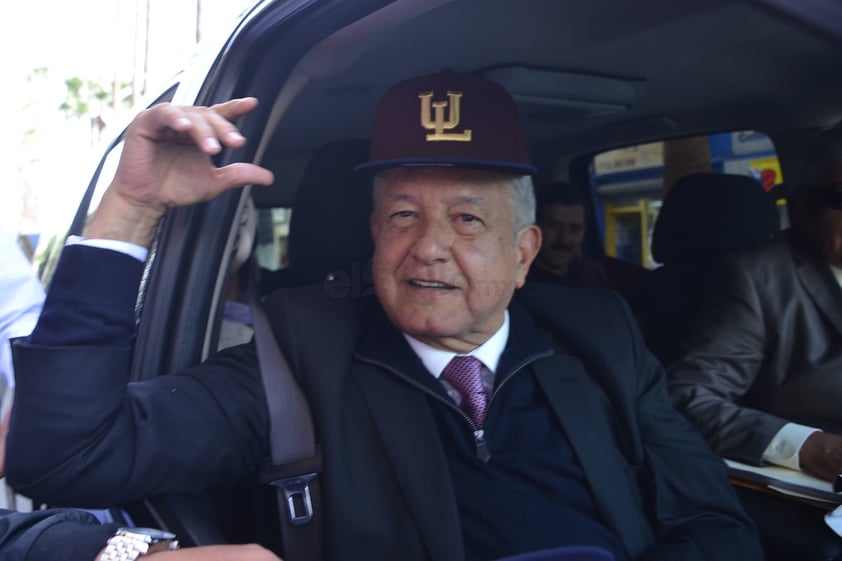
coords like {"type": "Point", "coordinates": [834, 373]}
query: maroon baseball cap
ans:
{"type": "Point", "coordinates": [448, 118]}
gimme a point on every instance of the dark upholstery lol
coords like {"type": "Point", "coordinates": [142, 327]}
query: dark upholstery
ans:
{"type": "Point", "coordinates": [627, 278]}
{"type": "Point", "coordinates": [329, 231]}
{"type": "Point", "coordinates": [703, 217]}
{"type": "Point", "coordinates": [710, 214]}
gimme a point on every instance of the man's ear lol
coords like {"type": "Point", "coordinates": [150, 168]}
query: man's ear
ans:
{"type": "Point", "coordinates": [527, 244]}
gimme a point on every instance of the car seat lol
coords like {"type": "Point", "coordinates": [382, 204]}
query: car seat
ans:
{"type": "Point", "coordinates": [703, 217]}
{"type": "Point", "coordinates": [329, 230]}
{"type": "Point", "coordinates": [328, 234]}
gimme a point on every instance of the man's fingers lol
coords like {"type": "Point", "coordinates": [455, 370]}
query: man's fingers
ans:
{"type": "Point", "coordinates": [224, 130]}
{"type": "Point", "coordinates": [207, 127]}
{"type": "Point", "coordinates": [239, 174]}
{"type": "Point", "coordinates": [222, 116]}
{"type": "Point", "coordinates": [201, 131]}
{"type": "Point", "coordinates": [235, 108]}
{"type": "Point", "coordinates": [161, 117]}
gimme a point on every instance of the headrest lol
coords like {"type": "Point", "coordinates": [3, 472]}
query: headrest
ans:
{"type": "Point", "coordinates": [329, 228]}
{"type": "Point", "coordinates": [712, 213]}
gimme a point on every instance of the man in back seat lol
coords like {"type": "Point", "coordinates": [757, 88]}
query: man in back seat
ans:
{"type": "Point", "coordinates": [761, 372]}
{"type": "Point", "coordinates": [457, 420]}
{"type": "Point", "coordinates": [562, 218]}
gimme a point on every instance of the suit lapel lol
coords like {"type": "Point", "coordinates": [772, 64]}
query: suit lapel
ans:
{"type": "Point", "coordinates": [580, 408]}
{"type": "Point", "coordinates": [818, 282]}
{"type": "Point", "coordinates": [406, 425]}
{"type": "Point", "coordinates": [393, 380]}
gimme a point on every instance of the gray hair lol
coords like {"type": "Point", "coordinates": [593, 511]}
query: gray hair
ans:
{"type": "Point", "coordinates": [523, 203]}
{"type": "Point", "coordinates": [521, 191]}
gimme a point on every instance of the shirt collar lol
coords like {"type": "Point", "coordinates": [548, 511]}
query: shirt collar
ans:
{"type": "Point", "coordinates": [488, 353]}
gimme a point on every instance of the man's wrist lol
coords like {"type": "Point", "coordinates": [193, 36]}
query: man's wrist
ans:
{"type": "Point", "coordinates": [130, 544]}
{"type": "Point", "coordinates": [118, 219]}
{"type": "Point", "coordinates": [139, 252]}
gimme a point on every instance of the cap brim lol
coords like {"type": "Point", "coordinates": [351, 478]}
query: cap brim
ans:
{"type": "Point", "coordinates": [512, 167]}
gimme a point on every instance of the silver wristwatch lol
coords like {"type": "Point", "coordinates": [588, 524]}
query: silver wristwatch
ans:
{"type": "Point", "coordinates": [127, 544]}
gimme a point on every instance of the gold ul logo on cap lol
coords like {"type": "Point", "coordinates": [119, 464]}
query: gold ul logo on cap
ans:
{"type": "Point", "coordinates": [438, 123]}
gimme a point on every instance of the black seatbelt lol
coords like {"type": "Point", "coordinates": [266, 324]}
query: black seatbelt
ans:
{"type": "Point", "coordinates": [296, 461]}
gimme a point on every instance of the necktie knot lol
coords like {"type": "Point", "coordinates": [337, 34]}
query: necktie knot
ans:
{"type": "Point", "coordinates": [464, 373]}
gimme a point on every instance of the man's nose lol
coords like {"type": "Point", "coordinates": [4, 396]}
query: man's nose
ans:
{"type": "Point", "coordinates": [433, 241]}
{"type": "Point", "coordinates": [568, 236]}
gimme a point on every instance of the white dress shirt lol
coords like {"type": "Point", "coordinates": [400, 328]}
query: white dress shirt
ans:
{"type": "Point", "coordinates": [488, 354]}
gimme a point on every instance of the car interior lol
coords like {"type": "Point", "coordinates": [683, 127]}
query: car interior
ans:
{"type": "Point", "coordinates": [588, 77]}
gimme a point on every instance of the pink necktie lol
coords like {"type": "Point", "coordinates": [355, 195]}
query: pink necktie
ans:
{"type": "Point", "coordinates": [465, 374]}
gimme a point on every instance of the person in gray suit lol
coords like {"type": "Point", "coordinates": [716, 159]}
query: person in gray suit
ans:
{"type": "Point", "coordinates": [761, 373]}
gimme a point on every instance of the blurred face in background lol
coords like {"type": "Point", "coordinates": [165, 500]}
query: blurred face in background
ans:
{"type": "Point", "coordinates": [563, 229]}
{"type": "Point", "coordinates": [820, 213]}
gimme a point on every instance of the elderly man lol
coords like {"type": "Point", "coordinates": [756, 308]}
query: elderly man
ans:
{"type": "Point", "coordinates": [760, 372]}
{"type": "Point", "coordinates": [456, 421]}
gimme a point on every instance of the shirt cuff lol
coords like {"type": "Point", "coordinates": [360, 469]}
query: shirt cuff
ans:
{"type": "Point", "coordinates": [784, 448]}
{"type": "Point", "coordinates": [137, 251]}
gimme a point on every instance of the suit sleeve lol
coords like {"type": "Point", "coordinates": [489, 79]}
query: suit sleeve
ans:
{"type": "Point", "coordinates": [719, 363]}
{"type": "Point", "coordinates": [82, 435]}
{"type": "Point", "coordinates": [49, 535]}
{"type": "Point", "coordinates": [695, 511]}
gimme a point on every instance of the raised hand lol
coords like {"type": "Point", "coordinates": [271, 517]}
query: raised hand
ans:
{"type": "Point", "coordinates": [166, 162]}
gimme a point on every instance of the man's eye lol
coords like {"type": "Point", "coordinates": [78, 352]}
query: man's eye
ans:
{"type": "Point", "coordinates": [402, 214]}
{"type": "Point", "coordinates": [468, 218]}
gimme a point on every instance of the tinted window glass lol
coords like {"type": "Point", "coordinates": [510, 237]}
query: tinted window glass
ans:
{"type": "Point", "coordinates": [630, 182]}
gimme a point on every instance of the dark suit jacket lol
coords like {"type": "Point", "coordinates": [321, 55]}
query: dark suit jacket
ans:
{"type": "Point", "coordinates": [582, 273]}
{"type": "Point", "coordinates": [386, 486]}
{"type": "Point", "coordinates": [766, 351]}
{"type": "Point", "coordinates": [47, 535]}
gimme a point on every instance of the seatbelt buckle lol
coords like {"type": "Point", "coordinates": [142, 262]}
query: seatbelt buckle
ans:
{"type": "Point", "coordinates": [297, 497]}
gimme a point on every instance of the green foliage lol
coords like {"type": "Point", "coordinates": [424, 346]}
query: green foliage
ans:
{"type": "Point", "coordinates": [89, 97]}
{"type": "Point", "coordinates": [39, 72]}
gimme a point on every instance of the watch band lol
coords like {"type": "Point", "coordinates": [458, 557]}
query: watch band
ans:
{"type": "Point", "coordinates": [128, 544]}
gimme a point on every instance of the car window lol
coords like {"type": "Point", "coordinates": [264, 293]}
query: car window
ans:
{"type": "Point", "coordinates": [47, 258]}
{"type": "Point", "coordinates": [271, 249]}
{"type": "Point", "coordinates": [629, 183]}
